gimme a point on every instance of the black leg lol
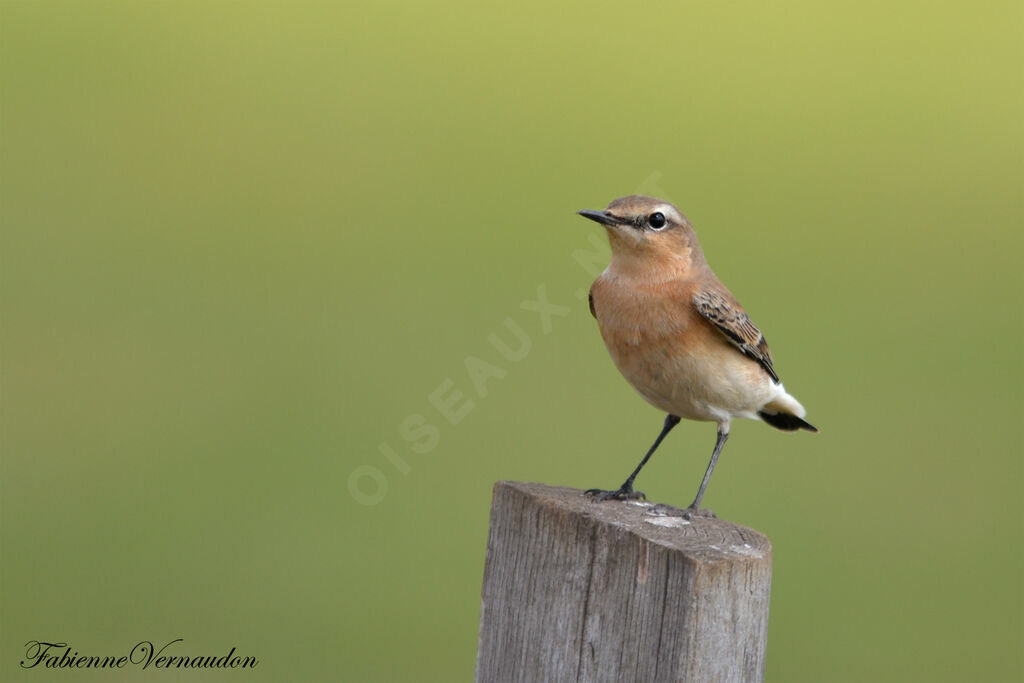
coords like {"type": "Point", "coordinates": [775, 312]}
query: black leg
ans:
{"type": "Point", "coordinates": [626, 492]}
{"type": "Point", "coordinates": [722, 436]}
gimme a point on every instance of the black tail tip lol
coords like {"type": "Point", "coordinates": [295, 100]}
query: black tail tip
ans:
{"type": "Point", "coordinates": [787, 422]}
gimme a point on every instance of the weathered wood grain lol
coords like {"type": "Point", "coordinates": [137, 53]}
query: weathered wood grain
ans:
{"type": "Point", "coordinates": [581, 591]}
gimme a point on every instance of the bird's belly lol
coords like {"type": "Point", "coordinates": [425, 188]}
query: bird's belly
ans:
{"type": "Point", "coordinates": [695, 380]}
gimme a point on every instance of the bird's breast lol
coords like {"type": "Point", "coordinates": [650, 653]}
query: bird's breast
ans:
{"type": "Point", "coordinates": [636, 318]}
{"type": "Point", "coordinates": [671, 355]}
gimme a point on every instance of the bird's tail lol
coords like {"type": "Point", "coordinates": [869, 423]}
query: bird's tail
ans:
{"type": "Point", "coordinates": [785, 412]}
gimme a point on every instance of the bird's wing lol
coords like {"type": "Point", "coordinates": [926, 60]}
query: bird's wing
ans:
{"type": "Point", "coordinates": [730, 319]}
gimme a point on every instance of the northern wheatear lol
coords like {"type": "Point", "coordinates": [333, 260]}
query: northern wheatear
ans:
{"type": "Point", "coordinates": [677, 334]}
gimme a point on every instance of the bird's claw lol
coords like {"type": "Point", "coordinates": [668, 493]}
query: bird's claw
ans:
{"type": "Point", "coordinates": [623, 493]}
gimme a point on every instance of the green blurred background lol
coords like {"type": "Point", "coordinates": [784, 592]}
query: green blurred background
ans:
{"type": "Point", "coordinates": [243, 243]}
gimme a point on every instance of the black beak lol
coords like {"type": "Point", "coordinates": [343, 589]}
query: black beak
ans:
{"type": "Point", "coordinates": [602, 217]}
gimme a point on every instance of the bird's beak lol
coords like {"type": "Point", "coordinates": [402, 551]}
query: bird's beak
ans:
{"type": "Point", "coordinates": [602, 217]}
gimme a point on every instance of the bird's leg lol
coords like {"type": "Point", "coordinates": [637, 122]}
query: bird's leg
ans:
{"type": "Point", "coordinates": [626, 492]}
{"type": "Point", "coordinates": [723, 434]}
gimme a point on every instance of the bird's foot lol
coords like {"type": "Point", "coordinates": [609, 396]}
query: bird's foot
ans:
{"type": "Point", "coordinates": [624, 492]}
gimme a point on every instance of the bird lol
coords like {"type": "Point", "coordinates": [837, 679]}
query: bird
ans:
{"type": "Point", "coordinates": [678, 335]}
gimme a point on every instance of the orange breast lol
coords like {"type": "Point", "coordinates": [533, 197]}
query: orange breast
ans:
{"type": "Point", "coordinates": [670, 354]}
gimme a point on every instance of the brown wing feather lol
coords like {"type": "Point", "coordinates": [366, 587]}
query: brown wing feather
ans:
{"type": "Point", "coordinates": [725, 314]}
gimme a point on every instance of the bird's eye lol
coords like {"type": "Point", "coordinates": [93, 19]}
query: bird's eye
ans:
{"type": "Point", "coordinates": [656, 220]}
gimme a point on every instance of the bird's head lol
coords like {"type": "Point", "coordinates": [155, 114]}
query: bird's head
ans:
{"type": "Point", "coordinates": [648, 234]}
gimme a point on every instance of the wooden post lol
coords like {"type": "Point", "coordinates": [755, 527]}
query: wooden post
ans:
{"type": "Point", "coordinates": [581, 591]}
